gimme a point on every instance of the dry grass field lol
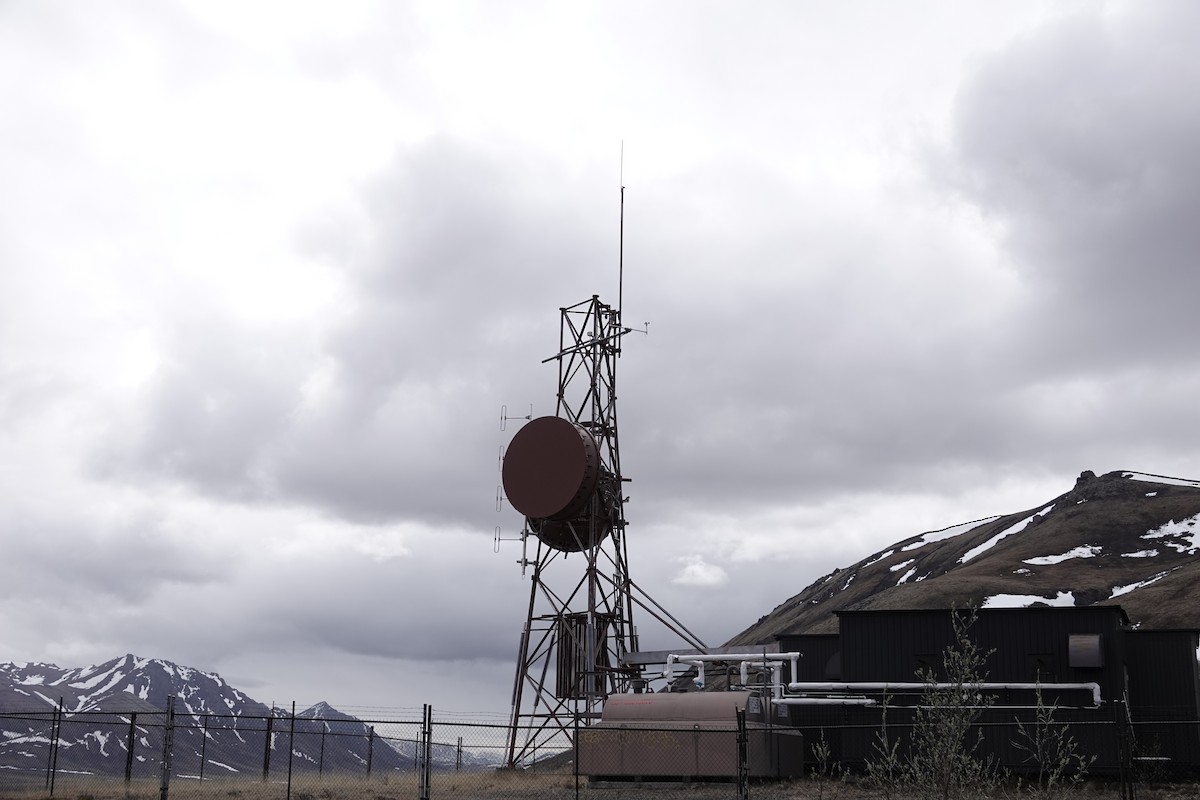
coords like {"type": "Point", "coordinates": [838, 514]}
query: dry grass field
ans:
{"type": "Point", "coordinates": [506, 785]}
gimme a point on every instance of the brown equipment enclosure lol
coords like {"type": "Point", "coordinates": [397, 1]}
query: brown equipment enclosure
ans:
{"type": "Point", "coordinates": [684, 736]}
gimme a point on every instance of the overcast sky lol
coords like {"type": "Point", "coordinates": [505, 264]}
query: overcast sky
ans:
{"type": "Point", "coordinates": [268, 272]}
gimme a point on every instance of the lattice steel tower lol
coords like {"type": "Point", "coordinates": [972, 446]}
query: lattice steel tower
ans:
{"type": "Point", "coordinates": [563, 473]}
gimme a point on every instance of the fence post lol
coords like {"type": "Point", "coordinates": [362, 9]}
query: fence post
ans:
{"type": "Point", "coordinates": [1124, 750]}
{"type": "Point", "coordinates": [267, 745]}
{"type": "Point", "coordinates": [743, 757]}
{"type": "Point", "coordinates": [291, 748]}
{"type": "Point", "coordinates": [130, 744]}
{"type": "Point", "coordinates": [321, 759]}
{"type": "Point", "coordinates": [203, 746]}
{"type": "Point", "coordinates": [458, 756]}
{"type": "Point", "coordinates": [55, 731]}
{"type": "Point", "coordinates": [57, 739]}
{"type": "Point", "coordinates": [370, 747]}
{"type": "Point", "coordinates": [426, 750]}
{"type": "Point", "coordinates": [168, 746]}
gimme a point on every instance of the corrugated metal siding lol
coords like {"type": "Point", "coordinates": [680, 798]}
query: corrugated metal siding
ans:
{"type": "Point", "coordinates": [883, 646]}
{"type": "Point", "coordinates": [1164, 690]}
{"type": "Point", "coordinates": [890, 645]}
{"type": "Point", "coordinates": [817, 651]}
{"type": "Point", "coordinates": [1164, 680]}
{"type": "Point", "coordinates": [1163, 670]}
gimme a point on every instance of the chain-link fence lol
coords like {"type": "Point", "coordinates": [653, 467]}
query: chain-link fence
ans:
{"type": "Point", "coordinates": [92, 755]}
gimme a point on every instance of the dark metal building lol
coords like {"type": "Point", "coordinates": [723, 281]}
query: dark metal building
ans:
{"type": "Point", "coordinates": [1104, 678]}
{"type": "Point", "coordinates": [1164, 694]}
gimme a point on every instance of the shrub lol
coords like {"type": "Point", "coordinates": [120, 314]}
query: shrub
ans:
{"type": "Point", "coordinates": [943, 761]}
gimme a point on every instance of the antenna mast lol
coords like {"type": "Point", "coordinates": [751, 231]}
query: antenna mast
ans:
{"type": "Point", "coordinates": [621, 240]}
{"type": "Point", "coordinates": [563, 473]}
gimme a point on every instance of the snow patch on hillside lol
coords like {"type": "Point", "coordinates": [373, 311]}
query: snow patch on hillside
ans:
{"type": "Point", "coordinates": [1009, 531]}
{"type": "Point", "coordinates": [1117, 591]}
{"type": "Point", "coordinates": [877, 559]}
{"type": "Point", "coordinates": [1066, 599]}
{"type": "Point", "coordinates": [1083, 551]}
{"type": "Point", "coordinates": [1142, 476]}
{"type": "Point", "coordinates": [1185, 531]}
{"type": "Point", "coordinates": [946, 533]}
{"type": "Point", "coordinates": [99, 678]}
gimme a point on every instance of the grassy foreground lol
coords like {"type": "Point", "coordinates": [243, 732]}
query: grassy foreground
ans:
{"type": "Point", "coordinates": [489, 785]}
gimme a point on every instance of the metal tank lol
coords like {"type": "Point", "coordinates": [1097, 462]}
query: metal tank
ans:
{"type": "Point", "coordinates": [684, 736]}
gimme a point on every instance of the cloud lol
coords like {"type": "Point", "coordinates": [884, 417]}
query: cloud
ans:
{"type": "Point", "coordinates": [1080, 140]}
{"type": "Point", "coordinates": [396, 388]}
{"type": "Point", "coordinates": [697, 572]}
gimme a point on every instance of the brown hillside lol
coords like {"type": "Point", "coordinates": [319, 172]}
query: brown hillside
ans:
{"type": "Point", "coordinates": [1125, 538]}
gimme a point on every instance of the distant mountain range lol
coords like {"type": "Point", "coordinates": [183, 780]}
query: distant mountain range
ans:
{"type": "Point", "coordinates": [123, 701]}
{"type": "Point", "coordinates": [1124, 538]}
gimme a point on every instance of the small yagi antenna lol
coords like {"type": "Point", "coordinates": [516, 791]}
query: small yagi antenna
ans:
{"type": "Point", "coordinates": [504, 417]}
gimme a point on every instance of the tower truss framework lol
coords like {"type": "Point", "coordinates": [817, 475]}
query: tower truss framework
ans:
{"type": "Point", "coordinates": [578, 631]}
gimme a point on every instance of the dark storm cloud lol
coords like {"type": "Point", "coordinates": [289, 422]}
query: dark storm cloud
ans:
{"type": "Point", "coordinates": [455, 273]}
{"type": "Point", "coordinates": [820, 360]}
{"type": "Point", "coordinates": [81, 578]}
{"type": "Point", "coordinates": [825, 357]}
{"type": "Point", "coordinates": [469, 252]}
{"type": "Point", "coordinates": [399, 613]}
{"type": "Point", "coordinates": [223, 396]}
{"type": "Point", "coordinates": [791, 356]}
{"type": "Point", "coordinates": [1084, 141]}
{"type": "Point", "coordinates": [343, 601]}
{"type": "Point", "coordinates": [797, 347]}
{"type": "Point", "coordinates": [76, 563]}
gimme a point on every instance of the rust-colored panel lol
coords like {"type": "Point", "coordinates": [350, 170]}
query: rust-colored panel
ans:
{"type": "Point", "coordinates": [551, 469]}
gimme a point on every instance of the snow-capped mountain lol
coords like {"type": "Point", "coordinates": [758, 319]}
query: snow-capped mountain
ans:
{"type": "Point", "coordinates": [1124, 538]}
{"type": "Point", "coordinates": [118, 685]}
{"type": "Point", "coordinates": [120, 705]}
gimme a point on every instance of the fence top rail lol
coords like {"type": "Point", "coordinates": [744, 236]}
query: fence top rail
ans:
{"type": "Point", "coordinates": [182, 715]}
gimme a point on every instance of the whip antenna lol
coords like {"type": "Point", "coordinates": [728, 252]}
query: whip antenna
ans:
{"type": "Point", "coordinates": [621, 239]}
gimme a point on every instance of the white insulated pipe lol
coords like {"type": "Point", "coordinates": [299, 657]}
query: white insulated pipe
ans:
{"type": "Point", "coordinates": [699, 660]}
{"type": "Point", "coordinates": [745, 670]}
{"type": "Point", "coordinates": [772, 670]}
{"type": "Point", "coordinates": [825, 701]}
{"type": "Point", "coordinates": [1094, 688]}
{"type": "Point", "coordinates": [699, 665]}
{"type": "Point", "coordinates": [771, 660]}
{"type": "Point", "coordinates": [774, 660]}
